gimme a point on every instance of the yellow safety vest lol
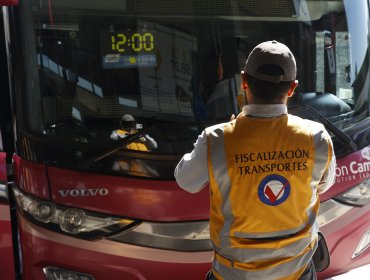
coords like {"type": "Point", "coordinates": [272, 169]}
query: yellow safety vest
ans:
{"type": "Point", "coordinates": [263, 175]}
{"type": "Point", "coordinates": [136, 145]}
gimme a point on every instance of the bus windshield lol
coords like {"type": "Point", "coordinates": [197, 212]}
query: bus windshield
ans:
{"type": "Point", "coordinates": [125, 86]}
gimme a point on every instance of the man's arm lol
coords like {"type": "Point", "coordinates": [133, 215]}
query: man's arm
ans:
{"type": "Point", "coordinates": [191, 172]}
{"type": "Point", "coordinates": [151, 142]}
{"type": "Point", "coordinates": [328, 178]}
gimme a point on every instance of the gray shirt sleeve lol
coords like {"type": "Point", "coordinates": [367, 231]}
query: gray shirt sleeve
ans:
{"type": "Point", "coordinates": [191, 172]}
{"type": "Point", "coordinates": [328, 178]}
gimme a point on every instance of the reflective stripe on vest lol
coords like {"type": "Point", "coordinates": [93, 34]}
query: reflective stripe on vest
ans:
{"type": "Point", "coordinates": [287, 270]}
{"type": "Point", "coordinates": [265, 188]}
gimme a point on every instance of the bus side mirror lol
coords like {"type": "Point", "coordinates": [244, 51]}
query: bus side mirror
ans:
{"type": "Point", "coordinates": [9, 2]}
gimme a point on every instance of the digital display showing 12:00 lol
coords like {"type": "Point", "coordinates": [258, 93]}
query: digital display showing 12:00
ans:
{"type": "Point", "coordinates": [132, 42]}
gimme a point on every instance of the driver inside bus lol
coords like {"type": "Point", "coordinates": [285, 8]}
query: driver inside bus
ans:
{"type": "Point", "coordinates": [129, 126]}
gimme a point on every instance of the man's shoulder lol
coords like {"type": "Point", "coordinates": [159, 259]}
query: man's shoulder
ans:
{"type": "Point", "coordinates": [309, 124]}
{"type": "Point", "coordinates": [218, 128]}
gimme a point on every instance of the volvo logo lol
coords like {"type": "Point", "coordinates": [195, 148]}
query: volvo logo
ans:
{"type": "Point", "coordinates": [83, 192]}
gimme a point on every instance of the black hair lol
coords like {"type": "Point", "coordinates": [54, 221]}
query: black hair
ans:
{"type": "Point", "coordinates": [268, 91]}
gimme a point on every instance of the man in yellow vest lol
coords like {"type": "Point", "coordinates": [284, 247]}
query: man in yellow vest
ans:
{"type": "Point", "coordinates": [265, 170]}
{"type": "Point", "coordinates": [128, 127]}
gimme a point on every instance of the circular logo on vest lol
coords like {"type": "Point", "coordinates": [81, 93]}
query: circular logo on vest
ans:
{"type": "Point", "coordinates": [274, 190]}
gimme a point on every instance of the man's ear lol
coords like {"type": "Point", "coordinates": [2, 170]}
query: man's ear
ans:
{"type": "Point", "coordinates": [244, 84]}
{"type": "Point", "coordinates": [293, 86]}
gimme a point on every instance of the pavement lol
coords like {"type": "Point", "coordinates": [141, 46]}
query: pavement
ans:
{"type": "Point", "coordinates": [361, 273]}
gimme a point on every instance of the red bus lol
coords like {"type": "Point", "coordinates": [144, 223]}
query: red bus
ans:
{"type": "Point", "coordinates": [100, 99]}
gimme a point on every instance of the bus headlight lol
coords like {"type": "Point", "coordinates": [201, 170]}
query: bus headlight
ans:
{"type": "Point", "coordinates": [356, 196]}
{"type": "Point", "coordinates": [77, 222]}
{"type": "Point", "coordinates": [72, 220]}
{"type": "Point", "coordinates": [42, 211]}
{"type": "Point", "coordinates": [56, 273]}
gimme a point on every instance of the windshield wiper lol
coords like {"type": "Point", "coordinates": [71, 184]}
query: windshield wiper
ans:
{"type": "Point", "coordinates": [328, 124]}
{"type": "Point", "coordinates": [86, 163]}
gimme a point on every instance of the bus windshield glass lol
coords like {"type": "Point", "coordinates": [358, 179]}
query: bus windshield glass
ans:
{"type": "Point", "coordinates": [125, 86]}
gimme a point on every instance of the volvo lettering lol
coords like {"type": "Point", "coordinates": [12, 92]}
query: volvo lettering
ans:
{"type": "Point", "coordinates": [83, 192]}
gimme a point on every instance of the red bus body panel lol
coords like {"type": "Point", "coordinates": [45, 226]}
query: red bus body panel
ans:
{"type": "Point", "coordinates": [344, 234]}
{"type": "Point", "coordinates": [351, 170]}
{"type": "Point", "coordinates": [6, 241]}
{"type": "Point", "coordinates": [9, 2]}
{"type": "Point", "coordinates": [31, 178]}
{"type": "Point", "coordinates": [342, 237]}
{"type": "Point", "coordinates": [151, 200]}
